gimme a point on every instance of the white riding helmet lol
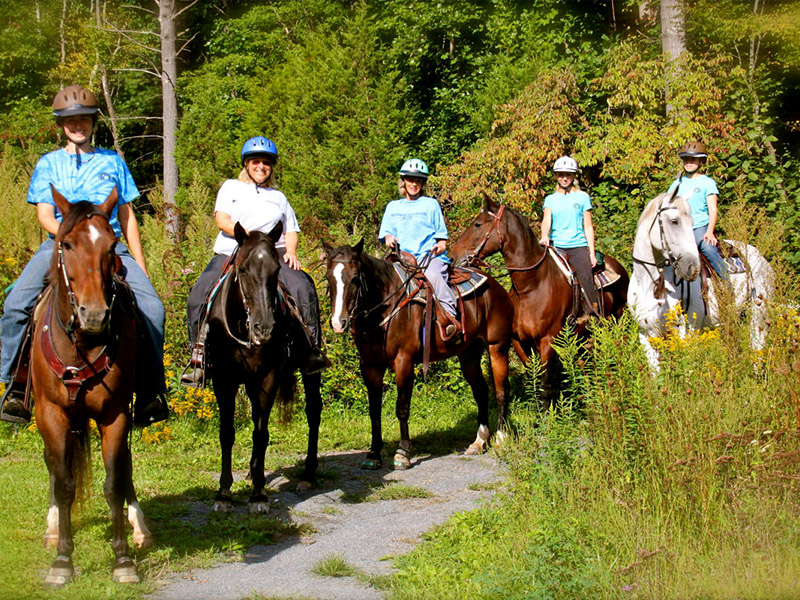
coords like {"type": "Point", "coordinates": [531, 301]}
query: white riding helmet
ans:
{"type": "Point", "coordinates": [565, 164]}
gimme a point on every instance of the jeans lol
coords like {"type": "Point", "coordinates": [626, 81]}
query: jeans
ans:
{"type": "Point", "coordinates": [436, 272]}
{"type": "Point", "coordinates": [711, 252]}
{"type": "Point", "coordinates": [19, 305]}
{"type": "Point", "coordinates": [299, 284]}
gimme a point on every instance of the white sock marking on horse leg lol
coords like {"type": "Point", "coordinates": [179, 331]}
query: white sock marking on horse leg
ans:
{"type": "Point", "coordinates": [336, 317]}
{"type": "Point", "coordinates": [51, 535]}
{"type": "Point", "coordinates": [141, 534]}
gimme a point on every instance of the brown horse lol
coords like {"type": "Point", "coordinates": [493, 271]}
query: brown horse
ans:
{"type": "Point", "coordinates": [542, 295]}
{"type": "Point", "coordinates": [366, 298]}
{"type": "Point", "coordinates": [82, 366]}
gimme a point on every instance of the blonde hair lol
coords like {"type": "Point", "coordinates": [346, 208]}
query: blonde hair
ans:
{"type": "Point", "coordinates": [401, 187]}
{"type": "Point", "coordinates": [244, 177]}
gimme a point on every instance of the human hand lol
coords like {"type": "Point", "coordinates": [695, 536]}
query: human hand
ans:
{"type": "Point", "coordinates": [439, 248]}
{"type": "Point", "coordinates": [290, 258]}
{"type": "Point", "coordinates": [710, 238]}
{"type": "Point", "coordinates": [390, 240]}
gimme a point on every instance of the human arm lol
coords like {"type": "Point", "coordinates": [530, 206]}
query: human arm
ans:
{"type": "Point", "coordinates": [46, 213]}
{"type": "Point", "coordinates": [130, 229]}
{"type": "Point", "coordinates": [709, 237]}
{"type": "Point", "coordinates": [290, 258]}
{"type": "Point", "coordinates": [547, 222]}
{"type": "Point", "coordinates": [224, 222]}
{"type": "Point", "coordinates": [588, 231]}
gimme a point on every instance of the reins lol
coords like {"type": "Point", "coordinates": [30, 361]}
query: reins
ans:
{"type": "Point", "coordinates": [474, 257]}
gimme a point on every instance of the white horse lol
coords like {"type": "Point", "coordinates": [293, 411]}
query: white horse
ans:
{"type": "Point", "coordinates": [666, 265]}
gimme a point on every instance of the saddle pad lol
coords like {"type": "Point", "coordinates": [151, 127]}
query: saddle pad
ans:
{"type": "Point", "coordinates": [466, 288]}
{"type": "Point", "coordinates": [602, 278]}
{"type": "Point", "coordinates": [213, 293]}
{"type": "Point", "coordinates": [735, 265]}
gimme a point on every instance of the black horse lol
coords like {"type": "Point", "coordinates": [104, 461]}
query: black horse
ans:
{"type": "Point", "coordinates": [254, 340]}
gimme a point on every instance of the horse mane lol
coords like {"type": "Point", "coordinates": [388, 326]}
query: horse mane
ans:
{"type": "Point", "coordinates": [525, 225]}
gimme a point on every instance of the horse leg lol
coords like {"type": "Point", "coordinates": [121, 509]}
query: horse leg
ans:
{"type": "Point", "coordinates": [116, 457]}
{"type": "Point", "coordinates": [373, 379]}
{"type": "Point", "coordinates": [51, 534]}
{"type": "Point", "coordinates": [262, 398]}
{"type": "Point", "coordinates": [550, 377]}
{"type": "Point", "coordinates": [142, 537]}
{"type": "Point", "coordinates": [226, 402]}
{"type": "Point", "coordinates": [498, 354]}
{"type": "Point", "coordinates": [58, 454]}
{"type": "Point", "coordinates": [470, 363]}
{"type": "Point", "coordinates": [404, 378]}
{"type": "Point", "coordinates": [311, 389]}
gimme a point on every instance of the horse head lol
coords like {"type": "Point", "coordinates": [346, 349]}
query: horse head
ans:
{"type": "Point", "coordinates": [344, 282]}
{"type": "Point", "coordinates": [482, 237]}
{"type": "Point", "coordinates": [85, 261]}
{"type": "Point", "coordinates": [666, 227]}
{"type": "Point", "coordinates": [255, 270]}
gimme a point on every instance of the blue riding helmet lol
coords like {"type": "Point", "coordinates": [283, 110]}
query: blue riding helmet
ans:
{"type": "Point", "coordinates": [259, 146]}
{"type": "Point", "coordinates": [414, 167]}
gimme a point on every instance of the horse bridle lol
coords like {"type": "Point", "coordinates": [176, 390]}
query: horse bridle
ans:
{"type": "Point", "coordinates": [669, 257]}
{"type": "Point", "coordinates": [474, 258]}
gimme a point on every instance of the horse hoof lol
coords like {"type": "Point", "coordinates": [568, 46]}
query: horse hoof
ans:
{"type": "Point", "coordinates": [142, 541]}
{"type": "Point", "coordinates": [304, 486]}
{"type": "Point", "coordinates": [126, 573]}
{"type": "Point", "coordinates": [61, 571]}
{"type": "Point", "coordinates": [372, 464]}
{"type": "Point", "coordinates": [259, 508]}
{"type": "Point", "coordinates": [51, 540]}
{"type": "Point", "coordinates": [401, 462]}
{"type": "Point", "coordinates": [222, 506]}
{"type": "Point", "coordinates": [475, 449]}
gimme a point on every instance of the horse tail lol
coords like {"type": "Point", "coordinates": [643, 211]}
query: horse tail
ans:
{"type": "Point", "coordinates": [82, 465]}
{"type": "Point", "coordinates": [287, 393]}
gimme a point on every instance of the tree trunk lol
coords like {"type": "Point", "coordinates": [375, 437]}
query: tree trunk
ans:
{"type": "Point", "coordinates": [673, 35]}
{"type": "Point", "coordinates": [169, 76]}
{"type": "Point", "coordinates": [112, 113]}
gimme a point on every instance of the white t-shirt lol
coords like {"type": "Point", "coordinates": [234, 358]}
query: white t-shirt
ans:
{"type": "Point", "coordinates": [257, 209]}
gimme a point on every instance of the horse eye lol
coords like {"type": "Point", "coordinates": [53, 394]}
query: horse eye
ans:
{"type": "Point", "coordinates": [477, 225]}
{"type": "Point", "coordinates": [67, 246]}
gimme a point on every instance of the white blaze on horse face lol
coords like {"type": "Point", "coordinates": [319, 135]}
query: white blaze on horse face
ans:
{"type": "Point", "coordinates": [94, 233]}
{"type": "Point", "coordinates": [338, 306]}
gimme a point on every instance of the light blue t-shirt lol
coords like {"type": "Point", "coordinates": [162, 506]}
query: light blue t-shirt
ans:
{"type": "Point", "coordinates": [93, 180]}
{"type": "Point", "coordinates": [696, 190]}
{"type": "Point", "coordinates": [567, 210]}
{"type": "Point", "coordinates": [417, 224]}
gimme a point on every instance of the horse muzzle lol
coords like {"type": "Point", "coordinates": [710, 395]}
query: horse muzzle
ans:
{"type": "Point", "coordinates": [93, 319]}
{"type": "Point", "coordinates": [340, 325]}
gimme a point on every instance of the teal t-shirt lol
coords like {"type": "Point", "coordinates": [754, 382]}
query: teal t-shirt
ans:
{"type": "Point", "coordinates": [417, 224]}
{"type": "Point", "coordinates": [91, 180]}
{"type": "Point", "coordinates": [696, 191]}
{"type": "Point", "coordinates": [567, 210]}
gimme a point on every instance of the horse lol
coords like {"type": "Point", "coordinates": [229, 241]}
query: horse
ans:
{"type": "Point", "coordinates": [253, 340]}
{"type": "Point", "coordinates": [666, 269]}
{"type": "Point", "coordinates": [368, 297]}
{"type": "Point", "coordinates": [542, 294]}
{"type": "Point", "coordinates": [83, 359]}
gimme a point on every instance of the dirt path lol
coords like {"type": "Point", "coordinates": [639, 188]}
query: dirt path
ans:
{"type": "Point", "coordinates": [361, 532]}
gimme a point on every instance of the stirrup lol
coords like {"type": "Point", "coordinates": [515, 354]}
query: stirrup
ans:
{"type": "Point", "coordinates": [19, 412]}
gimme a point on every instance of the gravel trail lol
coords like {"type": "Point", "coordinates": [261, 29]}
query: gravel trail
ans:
{"type": "Point", "coordinates": [363, 533]}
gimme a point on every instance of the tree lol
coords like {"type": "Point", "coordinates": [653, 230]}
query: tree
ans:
{"type": "Point", "coordinates": [673, 36]}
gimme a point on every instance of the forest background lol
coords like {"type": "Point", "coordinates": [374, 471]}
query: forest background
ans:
{"type": "Point", "coordinates": [489, 94]}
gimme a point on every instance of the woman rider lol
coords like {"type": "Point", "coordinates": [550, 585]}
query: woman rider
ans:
{"type": "Point", "coordinates": [254, 201]}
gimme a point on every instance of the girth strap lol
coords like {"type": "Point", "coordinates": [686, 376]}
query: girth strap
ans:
{"type": "Point", "coordinates": [72, 376]}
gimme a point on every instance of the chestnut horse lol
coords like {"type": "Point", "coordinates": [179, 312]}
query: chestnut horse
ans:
{"type": "Point", "coordinates": [367, 296]}
{"type": "Point", "coordinates": [541, 293]}
{"type": "Point", "coordinates": [252, 341]}
{"type": "Point", "coordinates": [82, 366]}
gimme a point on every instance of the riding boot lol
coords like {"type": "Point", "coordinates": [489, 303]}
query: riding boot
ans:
{"type": "Point", "coordinates": [14, 405]}
{"type": "Point", "coordinates": [315, 361]}
{"type": "Point", "coordinates": [449, 327]}
{"type": "Point", "coordinates": [194, 375]}
{"type": "Point", "coordinates": [149, 409]}
{"type": "Point", "coordinates": [592, 311]}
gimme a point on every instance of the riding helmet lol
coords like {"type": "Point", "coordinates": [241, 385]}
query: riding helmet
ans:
{"type": "Point", "coordinates": [414, 167]}
{"type": "Point", "coordinates": [259, 146]}
{"type": "Point", "coordinates": [693, 149]}
{"type": "Point", "coordinates": [74, 100]}
{"type": "Point", "coordinates": [565, 164]}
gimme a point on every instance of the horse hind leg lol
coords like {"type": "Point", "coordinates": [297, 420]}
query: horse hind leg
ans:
{"type": "Point", "coordinates": [498, 354]}
{"type": "Point", "coordinates": [470, 362]}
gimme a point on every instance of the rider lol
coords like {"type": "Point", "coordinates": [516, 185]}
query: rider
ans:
{"type": "Point", "coordinates": [81, 171]}
{"type": "Point", "coordinates": [567, 225]}
{"type": "Point", "coordinates": [255, 202]}
{"type": "Point", "coordinates": [702, 195]}
{"type": "Point", "coordinates": [415, 223]}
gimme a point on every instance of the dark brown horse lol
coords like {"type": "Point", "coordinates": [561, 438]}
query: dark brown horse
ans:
{"type": "Point", "coordinates": [542, 295]}
{"type": "Point", "coordinates": [253, 341]}
{"type": "Point", "coordinates": [82, 365]}
{"type": "Point", "coordinates": [365, 293]}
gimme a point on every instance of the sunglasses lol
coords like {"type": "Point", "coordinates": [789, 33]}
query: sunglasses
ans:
{"type": "Point", "coordinates": [259, 161]}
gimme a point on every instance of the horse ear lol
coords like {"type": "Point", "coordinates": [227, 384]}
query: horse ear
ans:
{"type": "Point", "coordinates": [239, 233]}
{"type": "Point", "coordinates": [107, 207]}
{"type": "Point", "coordinates": [488, 205]}
{"type": "Point", "coordinates": [359, 247]}
{"type": "Point", "coordinates": [276, 232]}
{"type": "Point", "coordinates": [62, 204]}
{"type": "Point", "coordinates": [327, 251]}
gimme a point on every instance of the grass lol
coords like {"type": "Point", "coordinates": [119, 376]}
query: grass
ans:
{"type": "Point", "coordinates": [334, 566]}
{"type": "Point", "coordinates": [387, 491]}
